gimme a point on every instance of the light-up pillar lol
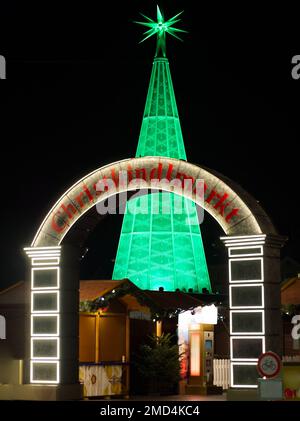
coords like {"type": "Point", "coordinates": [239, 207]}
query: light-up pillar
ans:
{"type": "Point", "coordinates": [54, 305]}
{"type": "Point", "coordinates": [254, 299]}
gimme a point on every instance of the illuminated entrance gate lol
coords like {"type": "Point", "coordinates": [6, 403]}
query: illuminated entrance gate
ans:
{"type": "Point", "coordinates": [253, 258]}
{"type": "Point", "coordinates": [252, 242]}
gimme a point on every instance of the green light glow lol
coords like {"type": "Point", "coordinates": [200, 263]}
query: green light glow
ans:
{"type": "Point", "coordinates": [161, 131]}
{"type": "Point", "coordinates": [161, 27]}
{"type": "Point", "coordinates": [161, 249]}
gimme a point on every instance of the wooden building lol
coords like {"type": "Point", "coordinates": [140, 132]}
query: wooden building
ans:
{"type": "Point", "coordinates": [115, 319]}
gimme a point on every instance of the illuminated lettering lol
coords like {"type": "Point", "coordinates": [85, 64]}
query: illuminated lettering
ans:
{"type": "Point", "coordinates": [122, 179]}
{"type": "Point", "coordinates": [57, 223]}
{"type": "Point", "coordinates": [157, 171]}
{"type": "Point", "coordinates": [141, 173]}
{"type": "Point", "coordinates": [233, 213]}
{"type": "Point", "coordinates": [88, 193]}
{"type": "Point", "coordinates": [70, 210]}
{"type": "Point", "coordinates": [220, 204]}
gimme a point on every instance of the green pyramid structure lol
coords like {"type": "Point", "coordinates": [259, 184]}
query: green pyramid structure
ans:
{"type": "Point", "coordinates": [162, 248]}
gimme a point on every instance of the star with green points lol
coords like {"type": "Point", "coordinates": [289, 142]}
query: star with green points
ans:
{"type": "Point", "coordinates": [161, 27]}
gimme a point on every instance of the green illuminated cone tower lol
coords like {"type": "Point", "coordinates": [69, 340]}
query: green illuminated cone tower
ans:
{"type": "Point", "coordinates": [160, 249]}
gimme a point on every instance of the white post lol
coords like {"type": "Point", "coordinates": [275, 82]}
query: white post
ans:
{"type": "Point", "coordinates": [254, 303]}
{"type": "Point", "coordinates": [2, 327]}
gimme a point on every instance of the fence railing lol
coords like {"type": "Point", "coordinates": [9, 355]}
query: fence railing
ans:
{"type": "Point", "coordinates": [291, 359]}
{"type": "Point", "coordinates": [222, 370]}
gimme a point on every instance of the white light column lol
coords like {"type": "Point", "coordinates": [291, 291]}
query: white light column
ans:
{"type": "Point", "coordinates": [45, 314]}
{"type": "Point", "coordinates": [254, 303]}
{"type": "Point", "coordinates": [246, 307]}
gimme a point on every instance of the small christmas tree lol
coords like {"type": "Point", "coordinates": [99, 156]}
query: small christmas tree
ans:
{"type": "Point", "coordinates": [159, 363]}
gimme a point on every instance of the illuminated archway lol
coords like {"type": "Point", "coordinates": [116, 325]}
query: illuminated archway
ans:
{"type": "Point", "coordinates": [253, 252]}
{"type": "Point", "coordinates": [233, 208]}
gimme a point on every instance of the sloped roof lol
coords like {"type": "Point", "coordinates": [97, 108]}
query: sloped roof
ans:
{"type": "Point", "coordinates": [173, 300]}
{"type": "Point", "coordinates": [12, 287]}
{"type": "Point", "coordinates": [165, 300]}
{"type": "Point", "coordinates": [290, 291]}
{"type": "Point", "coordinates": [14, 294]}
{"type": "Point", "coordinates": [289, 282]}
{"type": "Point", "coordinates": [90, 290]}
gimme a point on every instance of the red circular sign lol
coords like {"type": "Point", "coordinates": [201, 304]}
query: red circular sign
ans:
{"type": "Point", "coordinates": [269, 364]}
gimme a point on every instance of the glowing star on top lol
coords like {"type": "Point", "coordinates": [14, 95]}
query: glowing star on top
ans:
{"type": "Point", "coordinates": [161, 27]}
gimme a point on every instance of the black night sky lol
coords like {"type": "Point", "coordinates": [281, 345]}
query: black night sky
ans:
{"type": "Point", "coordinates": [74, 97]}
